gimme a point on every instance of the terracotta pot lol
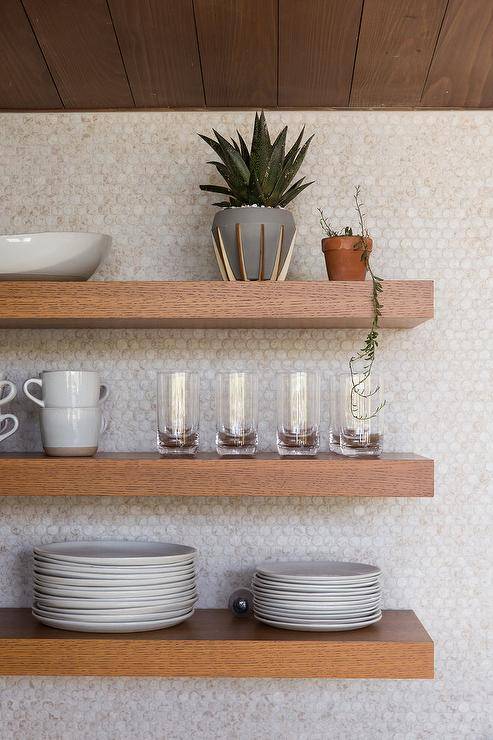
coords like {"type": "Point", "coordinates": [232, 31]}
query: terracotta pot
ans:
{"type": "Point", "coordinates": [343, 257]}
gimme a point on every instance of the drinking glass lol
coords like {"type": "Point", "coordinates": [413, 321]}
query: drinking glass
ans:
{"type": "Point", "coordinates": [359, 414]}
{"type": "Point", "coordinates": [298, 408]}
{"type": "Point", "coordinates": [177, 413]}
{"type": "Point", "coordinates": [334, 414]}
{"type": "Point", "coordinates": [236, 409]}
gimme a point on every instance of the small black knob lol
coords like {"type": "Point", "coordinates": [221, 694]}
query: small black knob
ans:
{"type": "Point", "coordinates": [241, 602]}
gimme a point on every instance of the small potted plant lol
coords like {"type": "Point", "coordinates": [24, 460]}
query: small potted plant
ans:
{"type": "Point", "coordinates": [346, 254]}
{"type": "Point", "coordinates": [253, 233]}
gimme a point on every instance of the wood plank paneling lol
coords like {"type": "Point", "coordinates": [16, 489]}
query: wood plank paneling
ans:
{"type": "Point", "coordinates": [267, 474]}
{"type": "Point", "coordinates": [213, 642]}
{"type": "Point", "coordinates": [395, 48]}
{"type": "Point", "coordinates": [25, 81]}
{"type": "Point", "coordinates": [461, 74]}
{"type": "Point", "coordinates": [159, 46]}
{"type": "Point", "coordinates": [238, 51]}
{"type": "Point", "coordinates": [317, 44]}
{"type": "Point", "coordinates": [79, 44]}
{"type": "Point", "coordinates": [213, 304]}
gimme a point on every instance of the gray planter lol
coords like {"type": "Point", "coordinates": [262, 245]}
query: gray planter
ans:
{"type": "Point", "coordinates": [253, 243]}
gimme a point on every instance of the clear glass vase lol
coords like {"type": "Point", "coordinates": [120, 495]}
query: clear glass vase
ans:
{"type": "Point", "coordinates": [356, 426]}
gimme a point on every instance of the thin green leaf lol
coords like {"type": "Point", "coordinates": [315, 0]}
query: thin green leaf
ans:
{"type": "Point", "coordinates": [215, 189]}
{"type": "Point", "coordinates": [244, 149]}
{"type": "Point", "coordinates": [291, 194]}
{"type": "Point", "coordinates": [261, 147]}
{"type": "Point", "coordinates": [232, 159]}
{"type": "Point", "coordinates": [274, 166]}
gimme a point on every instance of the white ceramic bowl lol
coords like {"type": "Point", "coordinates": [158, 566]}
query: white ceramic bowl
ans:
{"type": "Point", "coordinates": [64, 255]}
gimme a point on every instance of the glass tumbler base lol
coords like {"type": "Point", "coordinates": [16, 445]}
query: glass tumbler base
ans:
{"type": "Point", "coordinates": [177, 452]}
{"type": "Point", "coordinates": [284, 451]}
{"type": "Point", "coordinates": [247, 451]}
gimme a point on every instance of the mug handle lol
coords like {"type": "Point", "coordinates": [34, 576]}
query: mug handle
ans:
{"type": "Point", "coordinates": [103, 392]}
{"type": "Point", "coordinates": [11, 394]}
{"type": "Point", "coordinates": [102, 428]}
{"type": "Point", "coordinates": [4, 418]}
{"type": "Point", "coordinates": [25, 388]}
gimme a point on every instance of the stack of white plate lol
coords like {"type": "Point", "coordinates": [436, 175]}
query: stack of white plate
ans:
{"type": "Point", "coordinates": [107, 586]}
{"type": "Point", "coordinates": [317, 596]}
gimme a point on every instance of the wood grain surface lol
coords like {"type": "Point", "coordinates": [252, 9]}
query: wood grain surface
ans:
{"type": "Point", "coordinates": [146, 474]}
{"type": "Point", "coordinates": [395, 48]}
{"type": "Point", "coordinates": [182, 54]}
{"type": "Point", "coordinates": [79, 43]}
{"type": "Point", "coordinates": [159, 47]}
{"type": "Point", "coordinates": [461, 73]}
{"type": "Point", "coordinates": [25, 81]}
{"type": "Point", "coordinates": [238, 51]}
{"type": "Point", "coordinates": [212, 304]}
{"type": "Point", "coordinates": [317, 44]}
{"type": "Point", "coordinates": [214, 643]}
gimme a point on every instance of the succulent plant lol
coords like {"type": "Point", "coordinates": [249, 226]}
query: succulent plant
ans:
{"type": "Point", "coordinates": [260, 176]}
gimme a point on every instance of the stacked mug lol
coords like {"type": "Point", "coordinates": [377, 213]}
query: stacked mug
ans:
{"type": "Point", "coordinates": [70, 418]}
{"type": "Point", "coordinates": [8, 422]}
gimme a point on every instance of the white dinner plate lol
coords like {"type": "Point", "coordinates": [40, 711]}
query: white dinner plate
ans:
{"type": "Point", "coordinates": [317, 569]}
{"type": "Point", "coordinates": [311, 588]}
{"type": "Point", "coordinates": [105, 617]}
{"type": "Point", "coordinates": [317, 627]}
{"type": "Point", "coordinates": [64, 565]}
{"type": "Point", "coordinates": [72, 591]}
{"type": "Point", "coordinates": [314, 595]}
{"type": "Point", "coordinates": [137, 626]}
{"type": "Point", "coordinates": [332, 582]}
{"type": "Point", "coordinates": [309, 614]}
{"type": "Point", "coordinates": [106, 583]}
{"type": "Point", "coordinates": [76, 571]}
{"type": "Point", "coordinates": [322, 601]}
{"type": "Point", "coordinates": [321, 604]}
{"type": "Point", "coordinates": [160, 603]}
{"type": "Point", "coordinates": [121, 611]}
{"type": "Point", "coordinates": [116, 553]}
{"type": "Point", "coordinates": [318, 619]}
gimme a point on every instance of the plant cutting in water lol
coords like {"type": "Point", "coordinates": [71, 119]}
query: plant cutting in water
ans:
{"type": "Point", "coordinates": [361, 364]}
{"type": "Point", "coordinates": [261, 175]}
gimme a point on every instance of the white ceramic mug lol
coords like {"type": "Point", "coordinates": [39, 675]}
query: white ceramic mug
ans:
{"type": "Point", "coordinates": [71, 432]}
{"type": "Point", "coordinates": [68, 388]}
{"type": "Point", "coordinates": [5, 418]}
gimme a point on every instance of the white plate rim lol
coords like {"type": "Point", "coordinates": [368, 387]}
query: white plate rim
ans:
{"type": "Point", "coordinates": [185, 551]}
{"type": "Point", "coordinates": [269, 568]}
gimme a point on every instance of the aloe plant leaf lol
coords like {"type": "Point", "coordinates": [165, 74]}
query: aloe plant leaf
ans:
{"type": "Point", "coordinates": [216, 189]}
{"type": "Point", "coordinates": [223, 204]}
{"type": "Point", "coordinates": [290, 194]}
{"type": "Point", "coordinates": [294, 149]}
{"type": "Point", "coordinates": [274, 166]}
{"type": "Point", "coordinates": [288, 174]}
{"type": "Point", "coordinates": [232, 158]}
{"type": "Point", "coordinates": [244, 149]}
{"type": "Point", "coordinates": [261, 147]}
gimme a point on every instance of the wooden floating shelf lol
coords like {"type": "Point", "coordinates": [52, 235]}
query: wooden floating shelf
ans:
{"type": "Point", "coordinates": [212, 304]}
{"type": "Point", "coordinates": [214, 643]}
{"type": "Point", "coordinates": [146, 474]}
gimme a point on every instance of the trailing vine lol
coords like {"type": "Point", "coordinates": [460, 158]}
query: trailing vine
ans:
{"type": "Point", "coordinates": [366, 354]}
